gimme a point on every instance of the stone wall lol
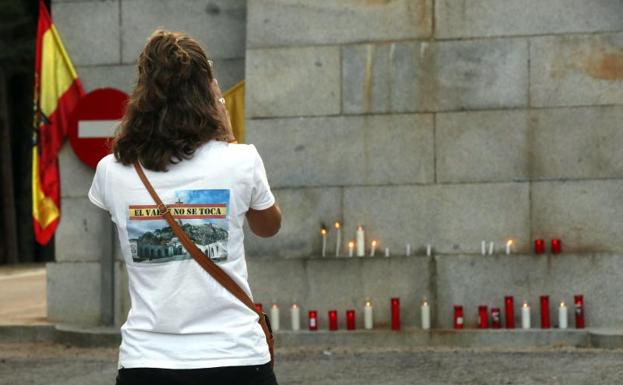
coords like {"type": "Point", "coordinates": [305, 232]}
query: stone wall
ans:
{"type": "Point", "coordinates": [445, 122]}
{"type": "Point", "coordinates": [440, 122]}
{"type": "Point", "coordinates": [104, 38]}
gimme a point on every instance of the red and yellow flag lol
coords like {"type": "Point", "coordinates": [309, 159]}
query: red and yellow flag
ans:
{"type": "Point", "coordinates": [57, 91]}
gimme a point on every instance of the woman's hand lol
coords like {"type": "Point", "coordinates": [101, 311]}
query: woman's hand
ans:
{"type": "Point", "coordinates": [222, 111]}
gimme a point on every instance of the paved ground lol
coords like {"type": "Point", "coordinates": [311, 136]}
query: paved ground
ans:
{"type": "Point", "coordinates": [23, 295]}
{"type": "Point", "coordinates": [53, 364]}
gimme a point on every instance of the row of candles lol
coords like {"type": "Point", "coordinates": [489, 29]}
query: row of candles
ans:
{"type": "Point", "coordinates": [509, 315]}
{"type": "Point", "coordinates": [459, 319]}
{"type": "Point", "coordinates": [357, 247]}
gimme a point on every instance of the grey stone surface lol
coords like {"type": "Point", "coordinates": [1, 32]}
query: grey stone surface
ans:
{"type": "Point", "coordinates": [324, 284]}
{"type": "Point", "coordinates": [585, 215]}
{"type": "Point", "coordinates": [392, 77]}
{"type": "Point", "coordinates": [293, 81]}
{"type": "Point", "coordinates": [422, 76]}
{"type": "Point", "coordinates": [122, 300]}
{"type": "Point", "coordinates": [452, 218]}
{"type": "Point", "coordinates": [345, 150]}
{"type": "Point", "coordinates": [73, 293]}
{"type": "Point", "coordinates": [89, 30]}
{"type": "Point", "coordinates": [473, 18]}
{"type": "Point", "coordinates": [305, 211]}
{"type": "Point", "coordinates": [298, 22]}
{"type": "Point", "coordinates": [76, 177]}
{"type": "Point", "coordinates": [479, 74]}
{"type": "Point", "coordinates": [469, 213]}
{"type": "Point", "coordinates": [472, 280]}
{"type": "Point", "coordinates": [483, 146]}
{"type": "Point", "coordinates": [228, 72]}
{"type": "Point", "coordinates": [220, 25]}
{"type": "Point", "coordinates": [84, 233]}
{"type": "Point", "coordinates": [575, 143]}
{"type": "Point", "coordinates": [583, 142]}
{"type": "Point", "coordinates": [576, 70]}
{"type": "Point", "coordinates": [121, 77]}
{"type": "Point", "coordinates": [393, 216]}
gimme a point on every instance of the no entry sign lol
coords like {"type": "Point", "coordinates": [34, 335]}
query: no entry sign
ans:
{"type": "Point", "coordinates": [93, 123]}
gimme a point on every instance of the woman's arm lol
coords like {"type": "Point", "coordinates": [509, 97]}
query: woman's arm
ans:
{"type": "Point", "coordinates": [265, 223]}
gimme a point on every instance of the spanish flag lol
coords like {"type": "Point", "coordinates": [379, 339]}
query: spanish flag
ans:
{"type": "Point", "coordinates": [57, 91]}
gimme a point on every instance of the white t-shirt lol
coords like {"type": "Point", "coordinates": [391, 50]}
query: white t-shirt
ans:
{"type": "Point", "coordinates": [180, 317]}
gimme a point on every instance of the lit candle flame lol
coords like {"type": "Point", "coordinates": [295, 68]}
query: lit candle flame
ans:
{"type": "Point", "coordinates": [368, 303]}
{"type": "Point", "coordinates": [562, 303]}
{"type": "Point", "coordinates": [525, 304]}
{"type": "Point", "coordinates": [359, 227]}
{"type": "Point", "coordinates": [373, 243]}
{"type": "Point", "coordinates": [337, 225]}
{"type": "Point", "coordinates": [294, 306]}
{"type": "Point", "coordinates": [323, 231]}
{"type": "Point", "coordinates": [351, 244]}
{"type": "Point", "coordinates": [509, 243]}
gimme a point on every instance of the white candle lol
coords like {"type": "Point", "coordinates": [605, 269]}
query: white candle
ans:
{"type": "Point", "coordinates": [429, 250]}
{"type": "Point", "coordinates": [274, 316]}
{"type": "Point", "coordinates": [491, 248]}
{"type": "Point", "coordinates": [361, 245]}
{"type": "Point", "coordinates": [323, 233]}
{"type": "Point", "coordinates": [295, 313]}
{"type": "Point", "coordinates": [525, 316]}
{"type": "Point", "coordinates": [372, 248]}
{"type": "Point", "coordinates": [425, 308]}
{"type": "Point", "coordinates": [368, 321]}
{"type": "Point", "coordinates": [408, 250]}
{"type": "Point", "coordinates": [338, 242]}
{"type": "Point", "coordinates": [351, 247]}
{"type": "Point", "coordinates": [562, 316]}
{"type": "Point", "coordinates": [483, 248]}
{"type": "Point", "coordinates": [509, 244]}
{"type": "Point", "coordinates": [387, 251]}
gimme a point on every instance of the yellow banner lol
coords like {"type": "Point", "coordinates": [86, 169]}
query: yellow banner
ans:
{"type": "Point", "coordinates": [234, 102]}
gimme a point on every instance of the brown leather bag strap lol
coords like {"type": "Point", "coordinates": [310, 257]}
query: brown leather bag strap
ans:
{"type": "Point", "coordinates": [208, 265]}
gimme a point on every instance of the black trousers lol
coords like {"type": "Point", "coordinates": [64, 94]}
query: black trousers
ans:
{"type": "Point", "coordinates": [230, 375]}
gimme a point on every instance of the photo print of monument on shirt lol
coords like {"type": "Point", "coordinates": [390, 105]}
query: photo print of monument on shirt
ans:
{"type": "Point", "coordinates": [202, 214]}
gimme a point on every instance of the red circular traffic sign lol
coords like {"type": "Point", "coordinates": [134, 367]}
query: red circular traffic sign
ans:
{"type": "Point", "coordinates": [93, 122]}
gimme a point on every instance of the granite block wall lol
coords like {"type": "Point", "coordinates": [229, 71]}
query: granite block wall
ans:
{"type": "Point", "coordinates": [472, 120]}
{"type": "Point", "coordinates": [87, 284]}
{"type": "Point", "coordinates": [464, 123]}
{"type": "Point", "coordinates": [441, 122]}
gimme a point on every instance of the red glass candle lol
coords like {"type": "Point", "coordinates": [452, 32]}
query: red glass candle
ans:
{"type": "Point", "coordinates": [539, 246]}
{"type": "Point", "coordinates": [579, 311]}
{"type": "Point", "coordinates": [395, 313]}
{"type": "Point", "coordinates": [556, 246]}
{"type": "Point", "coordinates": [509, 312]}
{"type": "Point", "coordinates": [259, 307]}
{"type": "Point", "coordinates": [545, 324]}
{"type": "Point", "coordinates": [496, 319]}
{"type": "Point", "coordinates": [458, 317]}
{"type": "Point", "coordinates": [483, 317]}
{"type": "Point", "coordinates": [350, 320]}
{"type": "Point", "coordinates": [313, 320]}
{"type": "Point", "coordinates": [332, 320]}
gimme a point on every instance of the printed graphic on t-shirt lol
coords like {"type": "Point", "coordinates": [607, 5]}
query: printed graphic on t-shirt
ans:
{"type": "Point", "coordinates": [202, 214]}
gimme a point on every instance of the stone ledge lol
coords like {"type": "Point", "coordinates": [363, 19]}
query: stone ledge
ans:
{"type": "Point", "coordinates": [407, 338]}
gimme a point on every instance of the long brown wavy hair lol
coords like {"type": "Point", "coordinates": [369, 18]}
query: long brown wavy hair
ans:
{"type": "Point", "coordinates": [172, 110]}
